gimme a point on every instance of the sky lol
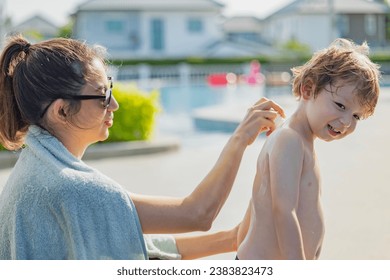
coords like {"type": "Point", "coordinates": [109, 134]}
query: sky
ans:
{"type": "Point", "coordinates": [58, 11]}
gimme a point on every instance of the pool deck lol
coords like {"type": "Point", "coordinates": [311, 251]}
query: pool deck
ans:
{"type": "Point", "coordinates": [224, 118]}
{"type": "Point", "coordinates": [355, 183]}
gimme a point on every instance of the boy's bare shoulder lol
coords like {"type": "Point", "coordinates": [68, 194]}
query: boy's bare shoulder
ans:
{"type": "Point", "coordinates": [286, 138]}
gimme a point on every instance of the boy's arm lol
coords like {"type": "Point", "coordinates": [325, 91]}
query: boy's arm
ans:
{"type": "Point", "coordinates": [286, 162]}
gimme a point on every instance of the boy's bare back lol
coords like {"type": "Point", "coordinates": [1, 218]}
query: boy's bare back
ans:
{"type": "Point", "coordinates": [286, 218]}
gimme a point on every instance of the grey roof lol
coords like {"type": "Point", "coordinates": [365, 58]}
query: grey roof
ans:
{"type": "Point", "coordinates": [36, 22]}
{"type": "Point", "coordinates": [242, 23]}
{"type": "Point", "coordinates": [36, 18]}
{"type": "Point", "coordinates": [150, 5]}
{"type": "Point", "coordinates": [339, 7]}
{"type": "Point", "coordinates": [238, 49]}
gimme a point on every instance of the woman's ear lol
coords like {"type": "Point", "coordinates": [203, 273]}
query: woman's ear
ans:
{"type": "Point", "coordinates": [307, 89]}
{"type": "Point", "coordinates": [57, 111]}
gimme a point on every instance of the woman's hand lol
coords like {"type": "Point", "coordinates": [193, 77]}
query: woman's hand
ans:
{"type": "Point", "coordinates": [260, 117]}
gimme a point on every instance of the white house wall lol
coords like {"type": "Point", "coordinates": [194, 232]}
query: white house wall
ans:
{"type": "Point", "coordinates": [313, 30]}
{"type": "Point", "coordinates": [2, 22]}
{"type": "Point", "coordinates": [178, 42]}
{"type": "Point", "coordinates": [91, 26]}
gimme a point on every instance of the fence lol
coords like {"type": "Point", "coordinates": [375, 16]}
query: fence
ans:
{"type": "Point", "coordinates": [185, 74]}
{"type": "Point", "coordinates": [180, 74]}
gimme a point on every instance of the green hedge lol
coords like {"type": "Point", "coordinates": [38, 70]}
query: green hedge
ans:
{"type": "Point", "coordinates": [292, 52]}
{"type": "Point", "coordinates": [135, 119]}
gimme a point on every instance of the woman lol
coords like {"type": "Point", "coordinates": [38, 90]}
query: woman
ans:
{"type": "Point", "coordinates": [56, 99]}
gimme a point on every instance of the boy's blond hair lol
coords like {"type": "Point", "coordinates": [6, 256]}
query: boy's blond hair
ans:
{"type": "Point", "coordinates": [342, 61]}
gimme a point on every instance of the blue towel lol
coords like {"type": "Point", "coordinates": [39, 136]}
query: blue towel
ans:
{"type": "Point", "coordinates": [54, 206]}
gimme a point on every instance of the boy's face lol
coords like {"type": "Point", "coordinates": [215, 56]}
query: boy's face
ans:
{"type": "Point", "coordinates": [334, 113]}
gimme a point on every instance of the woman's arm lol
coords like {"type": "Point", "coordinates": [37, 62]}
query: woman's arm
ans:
{"type": "Point", "coordinates": [199, 246]}
{"type": "Point", "coordinates": [198, 210]}
{"type": "Point", "coordinates": [244, 226]}
{"type": "Point", "coordinates": [194, 247]}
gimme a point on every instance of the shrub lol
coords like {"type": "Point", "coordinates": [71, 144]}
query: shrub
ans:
{"type": "Point", "coordinates": [293, 49]}
{"type": "Point", "coordinates": [135, 119]}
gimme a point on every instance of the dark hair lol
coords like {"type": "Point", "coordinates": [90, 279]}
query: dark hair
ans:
{"type": "Point", "coordinates": [33, 76]}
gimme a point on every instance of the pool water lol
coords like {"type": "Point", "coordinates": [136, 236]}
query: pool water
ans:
{"type": "Point", "coordinates": [183, 99]}
{"type": "Point", "coordinates": [179, 102]}
{"type": "Point", "coordinates": [176, 100]}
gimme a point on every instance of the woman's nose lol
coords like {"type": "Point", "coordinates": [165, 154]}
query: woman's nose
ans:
{"type": "Point", "coordinates": [114, 105]}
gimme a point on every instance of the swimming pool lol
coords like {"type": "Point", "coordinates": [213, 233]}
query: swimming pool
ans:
{"type": "Point", "coordinates": [181, 105]}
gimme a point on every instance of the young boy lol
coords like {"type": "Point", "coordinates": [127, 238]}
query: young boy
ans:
{"type": "Point", "coordinates": [335, 89]}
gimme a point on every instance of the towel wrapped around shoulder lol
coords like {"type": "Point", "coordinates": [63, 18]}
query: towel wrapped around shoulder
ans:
{"type": "Point", "coordinates": [54, 206]}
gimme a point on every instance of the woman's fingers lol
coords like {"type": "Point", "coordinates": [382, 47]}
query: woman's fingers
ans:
{"type": "Point", "coordinates": [267, 104]}
{"type": "Point", "coordinates": [259, 118]}
{"type": "Point", "coordinates": [256, 122]}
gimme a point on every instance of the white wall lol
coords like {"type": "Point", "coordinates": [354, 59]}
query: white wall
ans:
{"type": "Point", "coordinates": [313, 30]}
{"type": "Point", "coordinates": [178, 41]}
{"type": "Point", "coordinates": [2, 21]}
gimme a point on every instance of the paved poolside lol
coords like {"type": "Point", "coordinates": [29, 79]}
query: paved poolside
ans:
{"type": "Point", "coordinates": [355, 175]}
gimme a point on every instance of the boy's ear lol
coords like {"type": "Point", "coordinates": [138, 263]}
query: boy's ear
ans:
{"type": "Point", "coordinates": [307, 89]}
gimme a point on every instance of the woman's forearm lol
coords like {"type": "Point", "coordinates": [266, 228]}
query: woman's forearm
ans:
{"type": "Point", "coordinates": [244, 226]}
{"type": "Point", "coordinates": [193, 247]}
{"type": "Point", "coordinates": [210, 195]}
{"type": "Point", "coordinates": [198, 210]}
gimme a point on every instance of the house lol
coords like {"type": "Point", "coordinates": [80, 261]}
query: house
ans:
{"type": "Point", "coordinates": [243, 28]}
{"type": "Point", "coordinates": [150, 29]}
{"type": "Point", "coordinates": [239, 48]}
{"type": "Point", "coordinates": [35, 28]}
{"type": "Point", "coordinates": [318, 22]}
{"type": "Point", "coordinates": [243, 37]}
{"type": "Point", "coordinates": [2, 22]}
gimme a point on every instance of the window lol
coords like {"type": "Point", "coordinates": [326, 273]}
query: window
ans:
{"type": "Point", "coordinates": [157, 34]}
{"type": "Point", "coordinates": [343, 25]}
{"type": "Point", "coordinates": [114, 26]}
{"type": "Point", "coordinates": [370, 24]}
{"type": "Point", "coordinates": [195, 25]}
